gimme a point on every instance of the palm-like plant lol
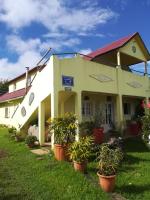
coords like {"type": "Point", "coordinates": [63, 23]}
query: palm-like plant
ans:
{"type": "Point", "coordinates": [64, 128]}
{"type": "Point", "coordinates": [109, 160]}
{"type": "Point", "coordinates": [80, 150]}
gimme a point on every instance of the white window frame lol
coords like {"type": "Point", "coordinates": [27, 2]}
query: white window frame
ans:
{"type": "Point", "coordinates": [87, 108]}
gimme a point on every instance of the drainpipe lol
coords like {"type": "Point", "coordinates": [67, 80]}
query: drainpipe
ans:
{"type": "Point", "coordinates": [27, 72]}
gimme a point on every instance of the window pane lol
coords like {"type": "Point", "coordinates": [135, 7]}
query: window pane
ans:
{"type": "Point", "coordinates": [127, 108]}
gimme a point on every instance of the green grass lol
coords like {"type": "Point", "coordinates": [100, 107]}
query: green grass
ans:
{"type": "Point", "coordinates": [133, 178]}
{"type": "Point", "coordinates": [22, 176]}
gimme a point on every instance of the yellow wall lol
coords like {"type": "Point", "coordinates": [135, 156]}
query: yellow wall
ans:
{"type": "Point", "coordinates": [11, 109]}
{"type": "Point", "coordinates": [127, 49]}
{"type": "Point", "coordinates": [120, 81]}
{"type": "Point", "coordinates": [20, 83]}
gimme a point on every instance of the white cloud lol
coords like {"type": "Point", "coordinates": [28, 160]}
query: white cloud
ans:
{"type": "Point", "coordinates": [29, 53]}
{"type": "Point", "coordinates": [60, 21]}
{"type": "Point", "coordinates": [54, 15]}
{"type": "Point", "coordinates": [9, 69]}
{"type": "Point", "coordinates": [85, 51]}
{"type": "Point", "coordinates": [16, 44]}
{"type": "Point", "coordinates": [20, 46]}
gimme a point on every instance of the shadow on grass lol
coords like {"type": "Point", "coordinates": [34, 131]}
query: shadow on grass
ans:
{"type": "Point", "coordinates": [92, 169]}
{"type": "Point", "coordinates": [130, 159]}
{"type": "Point", "coordinates": [135, 144]}
{"type": "Point", "coordinates": [134, 189]}
{"type": "Point", "coordinates": [13, 197]}
{"type": "Point", "coordinates": [92, 180]}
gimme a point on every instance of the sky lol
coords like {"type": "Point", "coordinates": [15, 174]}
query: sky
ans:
{"type": "Point", "coordinates": [29, 27]}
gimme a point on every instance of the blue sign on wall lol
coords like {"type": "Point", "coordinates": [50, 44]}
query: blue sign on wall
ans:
{"type": "Point", "coordinates": [67, 80]}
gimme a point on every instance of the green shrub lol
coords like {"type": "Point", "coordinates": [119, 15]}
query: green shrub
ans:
{"type": "Point", "coordinates": [3, 126]}
{"type": "Point", "coordinates": [12, 132]}
{"type": "Point", "coordinates": [146, 126]}
{"type": "Point", "coordinates": [20, 136]}
{"type": "Point", "coordinates": [80, 151]}
{"type": "Point", "coordinates": [64, 128]}
{"type": "Point", "coordinates": [30, 140]}
{"type": "Point", "coordinates": [109, 159]}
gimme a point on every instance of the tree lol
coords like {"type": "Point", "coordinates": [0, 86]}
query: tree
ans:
{"type": "Point", "coordinates": [3, 86]}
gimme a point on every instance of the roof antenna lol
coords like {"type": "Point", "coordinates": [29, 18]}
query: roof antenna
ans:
{"type": "Point", "coordinates": [44, 56]}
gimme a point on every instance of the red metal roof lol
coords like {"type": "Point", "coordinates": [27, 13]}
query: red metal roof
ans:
{"type": "Point", "coordinates": [110, 47]}
{"type": "Point", "coordinates": [12, 95]}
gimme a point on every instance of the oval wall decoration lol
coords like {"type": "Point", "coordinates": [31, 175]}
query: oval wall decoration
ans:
{"type": "Point", "coordinates": [23, 111]}
{"type": "Point", "coordinates": [31, 98]}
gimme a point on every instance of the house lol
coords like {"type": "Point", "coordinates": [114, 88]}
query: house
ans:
{"type": "Point", "coordinates": [100, 81]}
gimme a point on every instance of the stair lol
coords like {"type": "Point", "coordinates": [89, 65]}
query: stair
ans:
{"type": "Point", "coordinates": [40, 89]}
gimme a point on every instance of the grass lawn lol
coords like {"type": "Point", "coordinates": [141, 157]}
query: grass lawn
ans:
{"type": "Point", "coordinates": [133, 179]}
{"type": "Point", "coordinates": [23, 176]}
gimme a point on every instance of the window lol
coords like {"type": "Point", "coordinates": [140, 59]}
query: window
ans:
{"type": "Point", "coordinates": [86, 107]}
{"type": "Point", "coordinates": [6, 112]}
{"type": "Point", "coordinates": [127, 108]}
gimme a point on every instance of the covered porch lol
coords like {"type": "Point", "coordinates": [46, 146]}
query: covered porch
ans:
{"type": "Point", "coordinates": [114, 111]}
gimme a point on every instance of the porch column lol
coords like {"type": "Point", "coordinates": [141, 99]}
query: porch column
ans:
{"type": "Point", "coordinates": [119, 111]}
{"type": "Point", "coordinates": [118, 59]}
{"type": "Point", "coordinates": [54, 111]}
{"type": "Point", "coordinates": [78, 110]}
{"type": "Point", "coordinates": [41, 122]}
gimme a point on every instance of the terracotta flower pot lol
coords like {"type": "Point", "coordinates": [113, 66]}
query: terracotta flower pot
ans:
{"type": "Point", "coordinates": [80, 166]}
{"type": "Point", "coordinates": [59, 152]}
{"type": "Point", "coordinates": [107, 183]}
{"type": "Point", "coordinates": [98, 134]}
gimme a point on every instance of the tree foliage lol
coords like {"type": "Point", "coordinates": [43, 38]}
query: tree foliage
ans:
{"type": "Point", "coordinates": [3, 86]}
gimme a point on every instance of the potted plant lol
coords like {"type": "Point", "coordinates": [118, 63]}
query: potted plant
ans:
{"type": "Point", "coordinates": [109, 160]}
{"type": "Point", "coordinates": [79, 152]}
{"type": "Point", "coordinates": [98, 130]}
{"type": "Point", "coordinates": [64, 133]}
{"type": "Point", "coordinates": [30, 140]}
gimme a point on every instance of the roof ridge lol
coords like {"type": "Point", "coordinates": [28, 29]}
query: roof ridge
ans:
{"type": "Point", "coordinates": [110, 46]}
{"type": "Point", "coordinates": [125, 37]}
